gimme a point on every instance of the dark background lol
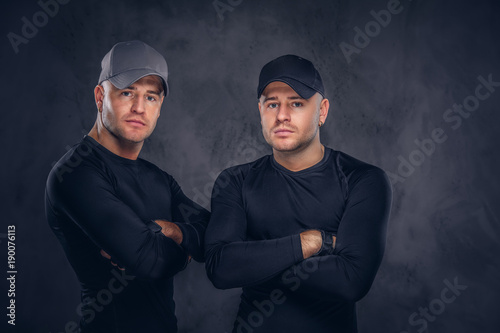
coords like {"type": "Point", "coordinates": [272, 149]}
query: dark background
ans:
{"type": "Point", "coordinates": [444, 223]}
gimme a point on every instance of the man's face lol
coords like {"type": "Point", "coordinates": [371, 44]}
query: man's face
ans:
{"type": "Point", "coordinates": [130, 114]}
{"type": "Point", "coordinates": [289, 122]}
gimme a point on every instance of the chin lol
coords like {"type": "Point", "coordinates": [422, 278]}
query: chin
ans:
{"type": "Point", "coordinates": [136, 137]}
{"type": "Point", "coordinates": [284, 147]}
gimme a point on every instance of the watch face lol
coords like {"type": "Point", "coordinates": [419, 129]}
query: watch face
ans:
{"type": "Point", "coordinates": [328, 245]}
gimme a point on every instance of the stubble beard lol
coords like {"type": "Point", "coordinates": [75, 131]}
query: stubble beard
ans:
{"type": "Point", "coordinates": [120, 133]}
{"type": "Point", "coordinates": [290, 147]}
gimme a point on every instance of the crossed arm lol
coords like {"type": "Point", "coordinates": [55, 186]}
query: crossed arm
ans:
{"type": "Point", "coordinates": [169, 229]}
{"type": "Point", "coordinates": [89, 200]}
{"type": "Point", "coordinates": [233, 261]}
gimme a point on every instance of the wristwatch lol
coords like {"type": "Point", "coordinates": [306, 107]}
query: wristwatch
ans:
{"type": "Point", "coordinates": [327, 245]}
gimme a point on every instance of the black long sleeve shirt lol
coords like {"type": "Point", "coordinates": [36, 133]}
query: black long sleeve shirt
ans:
{"type": "Point", "coordinates": [97, 200]}
{"type": "Point", "coordinates": [252, 241]}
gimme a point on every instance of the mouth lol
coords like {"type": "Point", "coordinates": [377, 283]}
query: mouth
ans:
{"type": "Point", "coordinates": [135, 122]}
{"type": "Point", "coordinates": [282, 131]}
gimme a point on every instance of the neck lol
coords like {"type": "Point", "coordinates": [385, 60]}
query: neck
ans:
{"type": "Point", "coordinates": [129, 150]}
{"type": "Point", "coordinates": [302, 159]}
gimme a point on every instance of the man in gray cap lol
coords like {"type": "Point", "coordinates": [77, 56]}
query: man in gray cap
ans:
{"type": "Point", "coordinates": [302, 231]}
{"type": "Point", "coordinates": [125, 225]}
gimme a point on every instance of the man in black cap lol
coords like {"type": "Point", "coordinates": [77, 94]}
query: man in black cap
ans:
{"type": "Point", "coordinates": [302, 231]}
{"type": "Point", "coordinates": [125, 225]}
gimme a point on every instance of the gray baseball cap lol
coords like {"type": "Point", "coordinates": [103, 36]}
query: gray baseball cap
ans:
{"type": "Point", "coordinates": [130, 61]}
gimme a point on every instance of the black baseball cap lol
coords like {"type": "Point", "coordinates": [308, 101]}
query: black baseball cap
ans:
{"type": "Point", "coordinates": [130, 61]}
{"type": "Point", "coordinates": [297, 72]}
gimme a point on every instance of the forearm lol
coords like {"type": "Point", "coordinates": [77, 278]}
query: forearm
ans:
{"type": "Point", "coordinates": [191, 219]}
{"type": "Point", "coordinates": [170, 260]}
{"type": "Point", "coordinates": [160, 257]}
{"type": "Point", "coordinates": [193, 239]}
{"type": "Point", "coordinates": [113, 226]}
{"type": "Point", "coordinates": [244, 263]}
{"type": "Point", "coordinates": [335, 276]}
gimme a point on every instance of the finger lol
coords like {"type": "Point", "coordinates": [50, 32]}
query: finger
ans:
{"type": "Point", "coordinates": [116, 265]}
{"type": "Point", "coordinates": [105, 255]}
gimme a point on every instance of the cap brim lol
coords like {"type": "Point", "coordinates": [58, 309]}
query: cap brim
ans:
{"type": "Point", "coordinates": [126, 79]}
{"type": "Point", "coordinates": [303, 90]}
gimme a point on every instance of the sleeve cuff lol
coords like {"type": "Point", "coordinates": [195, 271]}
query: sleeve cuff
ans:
{"type": "Point", "coordinates": [156, 228]}
{"type": "Point", "coordinates": [297, 248]}
{"type": "Point", "coordinates": [189, 235]}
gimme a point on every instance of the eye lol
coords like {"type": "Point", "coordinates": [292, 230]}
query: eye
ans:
{"type": "Point", "coordinates": [272, 105]}
{"type": "Point", "coordinates": [126, 93]}
{"type": "Point", "coordinates": [297, 104]}
{"type": "Point", "coordinates": [151, 98]}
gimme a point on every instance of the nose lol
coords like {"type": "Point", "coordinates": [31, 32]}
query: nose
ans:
{"type": "Point", "coordinates": [283, 114]}
{"type": "Point", "coordinates": [139, 105]}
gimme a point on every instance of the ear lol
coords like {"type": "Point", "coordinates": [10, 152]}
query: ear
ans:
{"type": "Point", "coordinates": [99, 96]}
{"type": "Point", "coordinates": [323, 110]}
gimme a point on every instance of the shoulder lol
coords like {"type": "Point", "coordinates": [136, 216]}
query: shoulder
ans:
{"type": "Point", "coordinates": [242, 170]}
{"type": "Point", "coordinates": [350, 165]}
{"type": "Point", "coordinates": [82, 166]}
{"type": "Point", "coordinates": [238, 173]}
{"type": "Point", "coordinates": [78, 161]}
{"type": "Point", "coordinates": [159, 177]}
{"type": "Point", "coordinates": [152, 168]}
{"type": "Point", "coordinates": [354, 171]}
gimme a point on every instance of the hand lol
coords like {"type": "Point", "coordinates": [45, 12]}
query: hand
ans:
{"type": "Point", "coordinates": [311, 242]}
{"type": "Point", "coordinates": [107, 256]}
{"type": "Point", "coordinates": [171, 230]}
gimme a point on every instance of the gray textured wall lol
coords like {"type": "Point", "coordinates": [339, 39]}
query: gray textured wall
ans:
{"type": "Point", "coordinates": [395, 89]}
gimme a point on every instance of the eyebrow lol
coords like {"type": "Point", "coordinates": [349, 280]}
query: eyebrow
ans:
{"type": "Point", "coordinates": [274, 98]}
{"type": "Point", "coordinates": [155, 92]}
